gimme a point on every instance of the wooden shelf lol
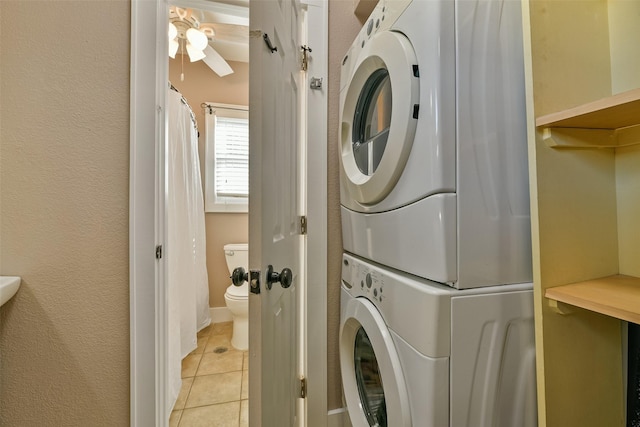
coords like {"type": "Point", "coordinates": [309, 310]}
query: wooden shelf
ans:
{"type": "Point", "coordinates": [615, 112]}
{"type": "Point", "coordinates": [616, 296]}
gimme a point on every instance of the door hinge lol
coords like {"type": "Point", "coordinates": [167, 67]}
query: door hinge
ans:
{"type": "Point", "coordinates": [303, 387]}
{"type": "Point", "coordinates": [305, 57]}
{"type": "Point", "coordinates": [303, 225]}
{"type": "Point", "coordinates": [158, 251]}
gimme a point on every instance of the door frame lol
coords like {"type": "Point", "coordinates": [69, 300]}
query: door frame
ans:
{"type": "Point", "coordinates": [147, 221]}
{"type": "Point", "coordinates": [315, 293]}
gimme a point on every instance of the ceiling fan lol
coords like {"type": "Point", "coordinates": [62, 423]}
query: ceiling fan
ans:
{"type": "Point", "coordinates": [187, 32]}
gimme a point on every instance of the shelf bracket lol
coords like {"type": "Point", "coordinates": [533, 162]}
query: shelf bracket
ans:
{"type": "Point", "coordinates": [628, 136]}
{"type": "Point", "coordinates": [579, 138]}
{"type": "Point", "coordinates": [560, 307]}
{"type": "Point", "coordinates": [557, 137]}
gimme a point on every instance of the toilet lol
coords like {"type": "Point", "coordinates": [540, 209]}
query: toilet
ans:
{"type": "Point", "coordinates": [237, 297]}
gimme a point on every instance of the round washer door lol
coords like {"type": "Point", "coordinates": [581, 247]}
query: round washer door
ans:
{"type": "Point", "coordinates": [372, 378]}
{"type": "Point", "coordinates": [379, 117]}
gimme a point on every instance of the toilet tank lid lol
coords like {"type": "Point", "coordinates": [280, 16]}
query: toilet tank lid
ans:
{"type": "Point", "coordinates": [236, 247]}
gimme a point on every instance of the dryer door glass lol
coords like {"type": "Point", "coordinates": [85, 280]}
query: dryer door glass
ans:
{"type": "Point", "coordinates": [369, 381]}
{"type": "Point", "coordinates": [377, 127]}
{"type": "Point", "coordinates": [371, 121]}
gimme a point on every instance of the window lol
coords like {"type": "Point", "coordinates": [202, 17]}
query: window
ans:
{"type": "Point", "coordinates": [227, 158]}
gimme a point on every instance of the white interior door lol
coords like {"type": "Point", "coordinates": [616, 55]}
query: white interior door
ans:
{"type": "Point", "coordinates": [276, 181]}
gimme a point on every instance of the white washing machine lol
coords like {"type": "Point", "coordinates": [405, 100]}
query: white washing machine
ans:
{"type": "Point", "coordinates": [434, 175]}
{"type": "Point", "coordinates": [417, 353]}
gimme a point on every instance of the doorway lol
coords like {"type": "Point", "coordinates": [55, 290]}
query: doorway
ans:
{"type": "Point", "coordinates": [215, 375]}
{"type": "Point", "coordinates": [149, 405]}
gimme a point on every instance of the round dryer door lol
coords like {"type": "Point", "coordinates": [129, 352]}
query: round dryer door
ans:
{"type": "Point", "coordinates": [379, 116]}
{"type": "Point", "coordinates": [372, 377]}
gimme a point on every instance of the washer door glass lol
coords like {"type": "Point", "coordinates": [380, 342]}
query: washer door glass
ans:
{"type": "Point", "coordinates": [371, 121]}
{"type": "Point", "coordinates": [374, 386]}
{"type": "Point", "coordinates": [369, 381]}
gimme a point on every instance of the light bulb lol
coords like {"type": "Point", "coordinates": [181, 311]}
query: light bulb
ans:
{"type": "Point", "coordinates": [197, 38]}
{"type": "Point", "coordinates": [194, 53]}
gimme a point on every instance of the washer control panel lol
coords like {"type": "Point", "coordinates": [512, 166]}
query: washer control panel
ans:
{"type": "Point", "coordinates": [362, 280]}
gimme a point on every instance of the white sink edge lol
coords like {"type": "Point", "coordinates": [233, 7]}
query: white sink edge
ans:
{"type": "Point", "coordinates": [9, 285]}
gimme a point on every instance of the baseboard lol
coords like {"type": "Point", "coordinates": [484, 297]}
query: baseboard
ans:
{"type": "Point", "coordinates": [220, 314]}
{"type": "Point", "coordinates": [338, 418]}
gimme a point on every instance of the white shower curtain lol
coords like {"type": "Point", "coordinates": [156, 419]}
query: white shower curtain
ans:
{"type": "Point", "coordinates": [188, 285]}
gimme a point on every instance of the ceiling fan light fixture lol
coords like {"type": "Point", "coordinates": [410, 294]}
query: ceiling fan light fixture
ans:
{"type": "Point", "coordinates": [208, 31]}
{"type": "Point", "coordinates": [173, 48]}
{"type": "Point", "coordinates": [195, 54]}
{"type": "Point", "coordinates": [173, 43]}
{"type": "Point", "coordinates": [197, 38]}
{"type": "Point", "coordinates": [173, 31]}
{"type": "Point", "coordinates": [181, 12]}
{"type": "Point", "coordinates": [185, 29]}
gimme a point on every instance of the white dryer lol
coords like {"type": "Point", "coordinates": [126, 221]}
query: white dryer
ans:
{"type": "Point", "coordinates": [417, 353]}
{"type": "Point", "coordinates": [433, 147]}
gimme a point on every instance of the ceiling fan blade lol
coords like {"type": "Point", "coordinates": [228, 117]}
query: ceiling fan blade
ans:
{"type": "Point", "coordinates": [231, 41]}
{"type": "Point", "coordinates": [229, 32]}
{"type": "Point", "coordinates": [216, 62]}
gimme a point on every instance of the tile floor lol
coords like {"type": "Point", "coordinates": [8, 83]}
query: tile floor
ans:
{"type": "Point", "coordinates": [214, 383]}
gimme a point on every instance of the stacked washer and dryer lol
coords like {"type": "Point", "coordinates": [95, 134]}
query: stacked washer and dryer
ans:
{"type": "Point", "coordinates": [436, 299]}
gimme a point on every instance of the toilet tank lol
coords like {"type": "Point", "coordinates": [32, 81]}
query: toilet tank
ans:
{"type": "Point", "coordinates": [237, 255]}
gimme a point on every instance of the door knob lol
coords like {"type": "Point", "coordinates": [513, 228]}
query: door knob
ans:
{"type": "Point", "coordinates": [285, 277]}
{"type": "Point", "coordinates": [239, 276]}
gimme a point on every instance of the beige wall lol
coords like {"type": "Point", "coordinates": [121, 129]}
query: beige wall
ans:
{"type": "Point", "coordinates": [203, 85]}
{"type": "Point", "coordinates": [343, 28]}
{"type": "Point", "coordinates": [64, 181]}
{"type": "Point", "coordinates": [222, 228]}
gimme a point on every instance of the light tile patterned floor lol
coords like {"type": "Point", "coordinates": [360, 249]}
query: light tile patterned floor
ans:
{"type": "Point", "coordinates": [214, 383]}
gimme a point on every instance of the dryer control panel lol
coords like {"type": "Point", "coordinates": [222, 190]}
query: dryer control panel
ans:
{"type": "Point", "coordinates": [382, 17]}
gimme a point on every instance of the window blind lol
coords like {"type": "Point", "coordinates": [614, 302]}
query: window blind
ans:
{"type": "Point", "coordinates": [231, 156]}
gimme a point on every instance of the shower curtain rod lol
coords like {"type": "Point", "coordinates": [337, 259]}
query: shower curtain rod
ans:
{"type": "Point", "coordinates": [184, 101]}
{"type": "Point", "coordinates": [211, 107]}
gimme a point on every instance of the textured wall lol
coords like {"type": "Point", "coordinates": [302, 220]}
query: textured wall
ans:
{"type": "Point", "coordinates": [64, 182]}
{"type": "Point", "coordinates": [343, 28]}
{"type": "Point", "coordinates": [203, 85]}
